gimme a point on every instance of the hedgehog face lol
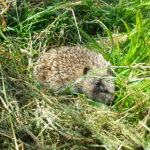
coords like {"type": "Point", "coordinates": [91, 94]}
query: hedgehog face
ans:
{"type": "Point", "coordinates": [99, 86]}
{"type": "Point", "coordinates": [100, 90]}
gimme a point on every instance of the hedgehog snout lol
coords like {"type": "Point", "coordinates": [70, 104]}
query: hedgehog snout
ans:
{"type": "Point", "coordinates": [110, 101]}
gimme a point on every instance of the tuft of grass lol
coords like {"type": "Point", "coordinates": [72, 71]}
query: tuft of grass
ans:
{"type": "Point", "coordinates": [33, 118]}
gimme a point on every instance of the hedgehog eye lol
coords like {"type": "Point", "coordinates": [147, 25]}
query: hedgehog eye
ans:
{"type": "Point", "coordinates": [97, 83]}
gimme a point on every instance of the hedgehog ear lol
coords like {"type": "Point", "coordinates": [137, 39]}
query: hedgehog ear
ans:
{"type": "Point", "coordinates": [108, 65]}
{"type": "Point", "coordinates": [85, 70]}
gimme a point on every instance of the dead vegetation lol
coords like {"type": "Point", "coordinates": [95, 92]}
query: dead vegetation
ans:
{"type": "Point", "coordinates": [33, 119]}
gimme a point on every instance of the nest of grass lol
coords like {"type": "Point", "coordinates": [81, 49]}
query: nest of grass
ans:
{"type": "Point", "coordinates": [33, 119]}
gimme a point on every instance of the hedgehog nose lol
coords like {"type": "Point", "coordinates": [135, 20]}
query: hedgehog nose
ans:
{"type": "Point", "coordinates": [110, 101]}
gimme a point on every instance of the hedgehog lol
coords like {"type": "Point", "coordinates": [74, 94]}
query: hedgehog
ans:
{"type": "Point", "coordinates": [82, 70]}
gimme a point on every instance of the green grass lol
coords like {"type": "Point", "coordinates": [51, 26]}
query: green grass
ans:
{"type": "Point", "coordinates": [32, 29]}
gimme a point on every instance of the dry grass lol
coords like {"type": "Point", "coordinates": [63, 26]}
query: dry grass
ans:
{"type": "Point", "coordinates": [34, 120]}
